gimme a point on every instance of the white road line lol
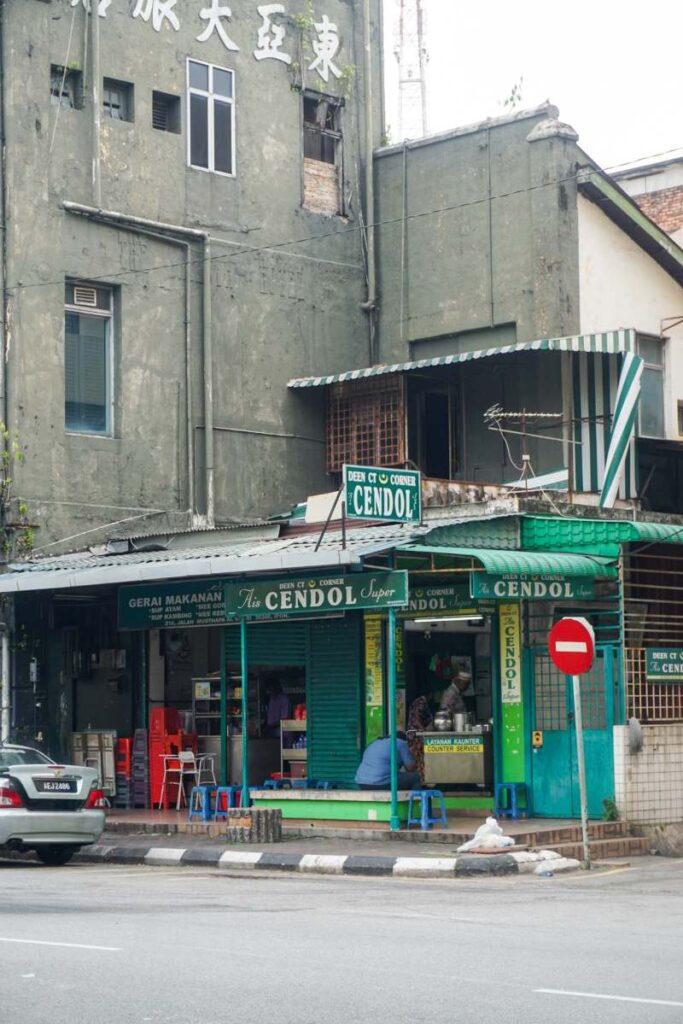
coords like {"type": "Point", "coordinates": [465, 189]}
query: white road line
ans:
{"type": "Point", "coordinates": [597, 995]}
{"type": "Point", "coordinates": [64, 945]}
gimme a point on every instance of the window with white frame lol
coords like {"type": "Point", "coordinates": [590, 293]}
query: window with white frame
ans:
{"type": "Point", "coordinates": [651, 413]}
{"type": "Point", "coordinates": [88, 343]}
{"type": "Point", "coordinates": [210, 102]}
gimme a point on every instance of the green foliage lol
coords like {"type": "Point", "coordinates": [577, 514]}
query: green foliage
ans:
{"type": "Point", "coordinates": [610, 809]}
{"type": "Point", "coordinates": [17, 534]}
{"type": "Point", "coordinates": [514, 100]}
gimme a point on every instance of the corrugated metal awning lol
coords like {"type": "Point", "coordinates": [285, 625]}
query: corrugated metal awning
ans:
{"type": "Point", "coordinates": [532, 562]}
{"type": "Point", "coordinates": [609, 342]}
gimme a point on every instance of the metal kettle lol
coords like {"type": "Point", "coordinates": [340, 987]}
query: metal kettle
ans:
{"type": "Point", "coordinates": [443, 721]}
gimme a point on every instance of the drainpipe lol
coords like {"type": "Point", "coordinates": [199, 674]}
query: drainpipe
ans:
{"type": "Point", "coordinates": [96, 102]}
{"type": "Point", "coordinates": [370, 306]}
{"type": "Point", "coordinates": [164, 231]}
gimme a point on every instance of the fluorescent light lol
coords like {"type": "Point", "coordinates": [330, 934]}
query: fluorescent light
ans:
{"type": "Point", "coordinates": [451, 618]}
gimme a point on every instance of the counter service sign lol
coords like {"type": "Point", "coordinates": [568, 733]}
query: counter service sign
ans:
{"type": "Point", "coordinates": [390, 495]}
{"type": "Point", "coordinates": [571, 645]}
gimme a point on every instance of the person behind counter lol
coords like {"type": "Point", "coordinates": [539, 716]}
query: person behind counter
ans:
{"type": "Point", "coordinates": [279, 707]}
{"type": "Point", "coordinates": [452, 699]}
{"type": "Point", "coordinates": [374, 771]}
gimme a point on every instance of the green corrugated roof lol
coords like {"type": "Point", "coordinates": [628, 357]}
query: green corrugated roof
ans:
{"type": "Point", "coordinates": [493, 532]}
{"type": "Point", "coordinates": [500, 561]}
{"type": "Point", "coordinates": [597, 536]}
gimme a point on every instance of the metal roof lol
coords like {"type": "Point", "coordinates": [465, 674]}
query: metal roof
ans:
{"type": "Point", "coordinates": [602, 536]}
{"type": "Point", "coordinates": [504, 561]}
{"type": "Point", "coordinates": [622, 340]}
{"type": "Point", "coordinates": [220, 559]}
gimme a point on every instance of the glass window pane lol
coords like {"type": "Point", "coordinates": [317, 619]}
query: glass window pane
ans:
{"type": "Point", "coordinates": [222, 82]}
{"type": "Point", "coordinates": [199, 76]}
{"type": "Point", "coordinates": [222, 127]}
{"type": "Point", "coordinates": [652, 404]}
{"type": "Point", "coordinates": [86, 372]}
{"type": "Point", "coordinates": [651, 350]}
{"type": "Point", "coordinates": [199, 131]}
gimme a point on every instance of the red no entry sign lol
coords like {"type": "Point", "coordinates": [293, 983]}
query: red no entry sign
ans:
{"type": "Point", "coordinates": [572, 645]}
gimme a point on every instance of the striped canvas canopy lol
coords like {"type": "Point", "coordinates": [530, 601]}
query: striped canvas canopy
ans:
{"type": "Point", "coordinates": [608, 342]}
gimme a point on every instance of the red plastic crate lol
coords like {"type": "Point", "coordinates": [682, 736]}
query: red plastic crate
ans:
{"type": "Point", "coordinates": [124, 757]}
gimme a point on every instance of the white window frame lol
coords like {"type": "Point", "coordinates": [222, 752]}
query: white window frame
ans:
{"type": "Point", "coordinates": [109, 354]}
{"type": "Point", "coordinates": [211, 96]}
{"type": "Point", "coordinates": [659, 368]}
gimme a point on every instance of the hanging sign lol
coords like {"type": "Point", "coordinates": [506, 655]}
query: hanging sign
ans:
{"type": "Point", "coordinates": [664, 664]}
{"type": "Point", "coordinates": [510, 654]}
{"type": "Point", "coordinates": [172, 605]}
{"type": "Point", "coordinates": [390, 495]}
{"type": "Point", "coordinates": [303, 596]}
{"type": "Point", "coordinates": [531, 586]}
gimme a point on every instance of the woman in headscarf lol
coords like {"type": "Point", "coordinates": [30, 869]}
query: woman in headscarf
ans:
{"type": "Point", "coordinates": [420, 719]}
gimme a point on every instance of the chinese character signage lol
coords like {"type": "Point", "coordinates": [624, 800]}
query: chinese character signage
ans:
{"type": "Point", "coordinates": [267, 25]}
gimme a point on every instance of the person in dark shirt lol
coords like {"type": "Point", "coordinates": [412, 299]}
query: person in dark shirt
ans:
{"type": "Point", "coordinates": [374, 771]}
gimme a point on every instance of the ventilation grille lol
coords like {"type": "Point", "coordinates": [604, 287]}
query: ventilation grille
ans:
{"type": "Point", "coordinates": [160, 113]}
{"type": "Point", "coordinates": [85, 296]}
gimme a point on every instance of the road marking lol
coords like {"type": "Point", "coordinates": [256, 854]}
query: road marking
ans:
{"type": "Point", "coordinates": [598, 995]}
{"type": "Point", "coordinates": [571, 646]}
{"type": "Point", "coordinates": [64, 945]}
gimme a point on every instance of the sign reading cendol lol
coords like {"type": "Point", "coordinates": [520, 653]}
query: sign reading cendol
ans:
{"type": "Point", "coordinates": [664, 664]}
{"type": "Point", "coordinates": [392, 495]}
{"type": "Point", "coordinates": [532, 586]}
{"type": "Point", "coordinates": [316, 594]}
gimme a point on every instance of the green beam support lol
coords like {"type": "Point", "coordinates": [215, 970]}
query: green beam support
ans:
{"type": "Point", "coordinates": [245, 712]}
{"type": "Point", "coordinates": [224, 710]}
{"type": "Point", "coordinates": [391, 666]}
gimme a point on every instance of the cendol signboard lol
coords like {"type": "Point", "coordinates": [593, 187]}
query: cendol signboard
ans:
{"type": "Point", "coordinates": [664, 664]}
{"type": "Point", "coordinates": [390, 495]}
{"type": "Point", "coordinates": [432, 599]}
{"type": "Point", "coordinates": [316, 594]}
{"type": "Point", "coordinates": [531, 586]}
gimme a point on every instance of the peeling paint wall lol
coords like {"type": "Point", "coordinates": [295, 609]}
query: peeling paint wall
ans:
{"type": "Point", "coordinates": [282, 307]}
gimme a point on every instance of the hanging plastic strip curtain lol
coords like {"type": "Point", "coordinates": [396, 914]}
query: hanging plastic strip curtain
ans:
{"type": "Point", "coordinates": [625, 409]}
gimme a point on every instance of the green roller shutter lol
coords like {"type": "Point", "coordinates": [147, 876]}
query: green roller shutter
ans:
{"type": "Point", "coordinates": [269, 643]}
{"type": "Point", "coordinates": [334, 699]}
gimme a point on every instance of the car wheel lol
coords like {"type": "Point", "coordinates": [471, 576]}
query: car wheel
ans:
{"type": "Point", "coordinates": [55, 856]}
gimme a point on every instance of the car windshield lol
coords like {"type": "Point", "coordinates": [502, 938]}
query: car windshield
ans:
{"type": "Point", "coordinates": [26, 755]}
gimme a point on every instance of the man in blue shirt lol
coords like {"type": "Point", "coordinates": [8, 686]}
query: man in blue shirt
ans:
{"type": "Point", "coordinates": [374, 771]}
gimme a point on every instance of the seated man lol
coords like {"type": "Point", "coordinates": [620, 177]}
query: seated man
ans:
{"type": "Point", "coordinates": [374, 771]}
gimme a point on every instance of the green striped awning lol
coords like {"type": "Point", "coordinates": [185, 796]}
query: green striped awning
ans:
{"type": "Point", "coordinates": [533, 562]}
{"type": "Point", "coordinates": [608, 342]}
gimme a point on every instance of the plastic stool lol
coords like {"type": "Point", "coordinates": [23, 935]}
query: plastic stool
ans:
{"type": "Point", "coordinates": [300, 784]}
{"type": "Point", "coordinates": [426, 816]}
{"type": "Point", "coordinates": [200, 802]}
{"type": "Point", "coordinates": [324, 784]}
{"type": "Point", "coordinates": [273, 784]}
{"type": "Point", "coordinates": [510, 792]}
{"type": "Point", "coordinates": [230, 801]}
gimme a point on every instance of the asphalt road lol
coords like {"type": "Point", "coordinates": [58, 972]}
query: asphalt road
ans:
{"type": "Point", "coordinates": [117, 945]}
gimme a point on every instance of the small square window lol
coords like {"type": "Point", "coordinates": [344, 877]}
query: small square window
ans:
{"type": "Point", "coordinates": [66, 87]}
{"type": "Point", "coordinates": [166, 112]}
{"type": "Point", "coordinates": [117, 100]}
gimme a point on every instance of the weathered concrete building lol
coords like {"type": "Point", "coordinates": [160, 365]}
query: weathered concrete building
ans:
{"type": "Point", "coordinates": [182, 208]}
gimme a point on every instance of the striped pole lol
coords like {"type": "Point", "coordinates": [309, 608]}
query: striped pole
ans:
{"type": "Point", "coordinates": [625, 408]}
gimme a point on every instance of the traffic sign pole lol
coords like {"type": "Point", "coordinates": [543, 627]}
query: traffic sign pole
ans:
{"type": "Point", "coordinates": [578, 723]}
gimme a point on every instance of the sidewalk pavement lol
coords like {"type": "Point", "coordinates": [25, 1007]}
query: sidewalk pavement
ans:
{"type": "Point", "coordinates": [341, 856]}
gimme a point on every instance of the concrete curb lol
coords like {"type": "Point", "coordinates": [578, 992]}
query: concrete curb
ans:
{"type": "Point", "coordinates": [464, 866]}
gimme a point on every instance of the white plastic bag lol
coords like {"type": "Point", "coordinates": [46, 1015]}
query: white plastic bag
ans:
{"type": "Point", "coordinates": [488, 836]}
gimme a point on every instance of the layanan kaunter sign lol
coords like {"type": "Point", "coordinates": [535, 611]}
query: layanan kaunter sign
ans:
{"type": "Point", "coordinates": [316, 594]}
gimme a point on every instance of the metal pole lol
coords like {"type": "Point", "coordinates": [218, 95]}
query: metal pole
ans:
{"type": "Point", "coordinates": [245, 713]}
{"type": "Point", "coordinates": [5, 689]}
{"type": "Point", "coordinates": [144, 680]}
{"type": "Point", "coordinates": [391, 659]}
{"type": "Point", "coordinates": [578, 722]}
{"type": "Point", "coordinates": [223, 727]}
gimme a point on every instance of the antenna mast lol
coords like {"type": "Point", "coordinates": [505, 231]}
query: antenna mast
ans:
{"type": "Point", "coordinates": [411, 54]}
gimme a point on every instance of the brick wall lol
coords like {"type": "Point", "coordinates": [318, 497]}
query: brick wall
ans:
{"type": "Point", "coordinates": [664, 207]}
{"type": "Point", "coordinates": [321, 187]}
{"type": "Point", "coordinates": [649, 785]}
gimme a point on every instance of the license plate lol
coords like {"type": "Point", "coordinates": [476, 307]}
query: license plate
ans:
{"type": "Point", "coordinates": [55, 785]}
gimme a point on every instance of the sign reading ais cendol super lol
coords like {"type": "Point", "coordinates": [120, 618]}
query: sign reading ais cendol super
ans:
{"type": "Point", "coordinates": [316, 594]}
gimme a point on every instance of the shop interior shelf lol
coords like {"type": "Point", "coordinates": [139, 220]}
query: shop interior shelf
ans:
{"type": "Point", "coordinates": [294, 724]}
{"type": "Point", "coordinates": [296, 754]}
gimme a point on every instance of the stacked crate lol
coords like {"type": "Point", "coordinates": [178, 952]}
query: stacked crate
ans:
{"type": "Point", "coordinates": [163, 724]}
{"type": "Point", "coordinates": [124, 773]}
{"type": "Point", "coordinates": [140, 770]}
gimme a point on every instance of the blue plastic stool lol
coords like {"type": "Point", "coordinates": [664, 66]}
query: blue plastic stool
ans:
{"type": "Point", "coordinates": [230, 794]}
{"type": "Point", "coordinates": [510, 792]}
{"type": "Point", "coordinates": [427, 816]}
{"type": "Point", "coordinates": [324, 784]}
{"type": "Point", "coordinates": [272, 784]}
{"type": "Point", "coordinates": [200, 802]}
{"type": "Point", "coordinates": [300, 784]}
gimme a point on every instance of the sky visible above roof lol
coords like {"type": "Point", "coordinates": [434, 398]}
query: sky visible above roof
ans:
{"type": "Point", "coordinates": [604, 65]}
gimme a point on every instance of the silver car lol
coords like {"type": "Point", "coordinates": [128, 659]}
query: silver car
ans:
{"type": "Point", "coordinates": [47, 807]}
